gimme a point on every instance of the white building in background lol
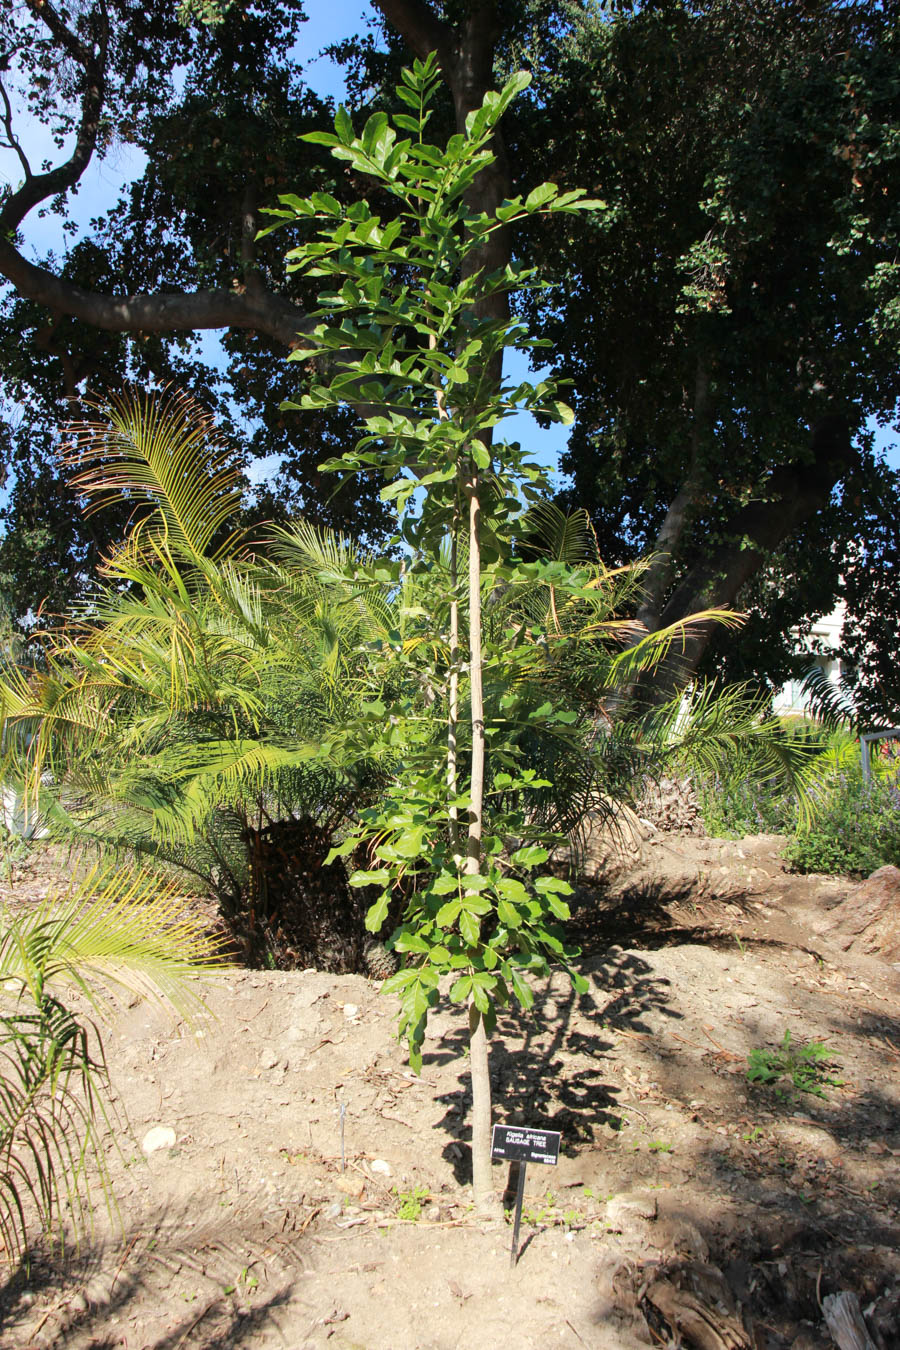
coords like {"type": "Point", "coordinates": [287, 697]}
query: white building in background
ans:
{"type": "Point", "coordinates": [826, 637]}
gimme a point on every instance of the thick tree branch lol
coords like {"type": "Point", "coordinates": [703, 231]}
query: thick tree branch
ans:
{"type": "Point", "coordinates": [92, 59]}
{"type": "Point", "coordinates": [661, 569]}
{"type": "Point", "coordinates": [177, 311]}
{"type": "Point", "coordinates": [249, 227]}
{"type": "Point", "coordinates": [793, 495]}
{"type": "Point", "coordinates": [12, 141]}
{"type": "Point", "coordinates": [421, 29]}
{"type": "Point", "coordinates": [467, 60]}
{"type": "Point", "coordinates": [64, 37]}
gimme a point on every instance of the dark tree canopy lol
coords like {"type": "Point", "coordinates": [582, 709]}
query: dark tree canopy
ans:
{"type": "Point", "coordinates": [218, 114]}
{"type": "Point", "coordinates": [730, 327]}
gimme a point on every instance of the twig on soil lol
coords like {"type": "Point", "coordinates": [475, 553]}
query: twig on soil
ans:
{"type": "Point", "coordinates": [397, 1119]}
{"type": "Point", "coordinates": [307, 1221]}
{"type": "Point", "coordinates": [728, 1054]}
{"type": "Point", "coordinates": [196, 1322]}
{"type": "Point", "coordinates": [684, 1040]}
{"type": "Point", "coordinates": [626, 1031]}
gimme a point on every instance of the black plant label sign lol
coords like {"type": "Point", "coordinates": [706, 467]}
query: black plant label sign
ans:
{"type": "Point", "coordinates": [519, 1143]}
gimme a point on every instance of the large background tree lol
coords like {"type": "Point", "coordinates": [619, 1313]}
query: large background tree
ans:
{"type": "Point", "coordinates": [732, 332]}
{"type": "Point", "coordinates": [728, 335]}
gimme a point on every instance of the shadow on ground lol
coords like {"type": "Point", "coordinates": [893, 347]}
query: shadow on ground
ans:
{"type": "Point", "coordinates": [232, 1279]}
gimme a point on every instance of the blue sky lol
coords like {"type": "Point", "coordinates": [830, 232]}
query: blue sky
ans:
{"type": "Point", "coordinates": [329, 21]}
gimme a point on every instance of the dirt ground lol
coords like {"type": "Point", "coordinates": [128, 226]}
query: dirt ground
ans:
{"type": "Point", "coordinates": [687, 1202]}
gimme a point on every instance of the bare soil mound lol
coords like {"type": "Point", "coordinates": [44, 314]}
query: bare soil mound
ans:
{"type": "Point", "coordinates": [690, 1207]}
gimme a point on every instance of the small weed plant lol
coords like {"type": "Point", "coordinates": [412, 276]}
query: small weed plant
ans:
{"type": "Point", "coordinates": [809, 1067]}
{"type": "Point", "coordinates": [409, 1203]}
{"type": "Point", "coordinates": [14, 850]}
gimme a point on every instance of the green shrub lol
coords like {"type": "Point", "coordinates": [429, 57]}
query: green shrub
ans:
{"type": "Point", "coordinates": [854, 827]}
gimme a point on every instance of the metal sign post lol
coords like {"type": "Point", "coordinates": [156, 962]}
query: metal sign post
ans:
{"type": "Point", "coordinates": [520, 1193]}
{"type": "Point", "coordinates": [865, 743]}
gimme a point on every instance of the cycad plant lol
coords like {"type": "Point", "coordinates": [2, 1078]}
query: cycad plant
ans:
{"type": "Point", "coordinates": [114, 932]}
{"type": "Point", "coordinates": [196, 710]}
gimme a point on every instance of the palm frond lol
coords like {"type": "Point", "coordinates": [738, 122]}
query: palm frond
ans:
{"type": "Point", "coordinates": [54, 1102]}
{"type": "Point", "coordinates": [710, 727]}
{"type": "Point", "coordinates": [114, 932]}
{"type": "Point", "coordinates": [831, 704]}
{"type": "Point", "coordinates": [564, 537]}
{"type": "Point", "coordinates": [320, 552]}
{"type": "Point", "coordinates": [164, 453]}
{"type": "Point", "coordinates": [119, 930]}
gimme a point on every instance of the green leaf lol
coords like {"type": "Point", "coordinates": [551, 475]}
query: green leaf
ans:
{"type": "Point", "coordinates": [409, 843]}
{"type": "Point", "coordinates": [559, 412]}
{"type": "Point", "coordinates": [540, 195]}
{"type": "Point", "coordinates": [532, 855]}
{"type": "Point", "coordinates": [399, 982]}
{"type": "Point", "coordinates": [372, 132]}
{"type": "Point", "coordinates": [470, 927]}
{"type": "Point", "coordinates": [323, 201]}
{"type": "Point", "coordinates": [320, 138]}
{"type": "Point", "coordinates": [447, 914]}
{"type": "Point", "coordinates": [445, 884]}
{"type": "Point", "coordinates": [460, 991]}
{"type": "Point", "coordinates": [515, 85]}
{"type": "Point", "coordinates": [546, 884]}
{"type": "Point", "coordinates": [341, 850]}
{"type": "Point", "coordinates": [411, 942]}
{"type": "Point", "coordinates": [381, 877]}
{"type": "Point", "coordinates": [521, 990]}
{"type": "Point", "coordinates": [377, 913]}
{"type": "Point", "coordinates": [477, 904]}
{"type": "Point", "coordinates": [557, 906]}
{"type": "Point", "coordinates": [579, 983]}
{"type": "Point", "coordinates": [511, 889]}
{"type": "Point", "coordinates": [343, 125]}
{"type": "Point", "coordinates": [480, 998]}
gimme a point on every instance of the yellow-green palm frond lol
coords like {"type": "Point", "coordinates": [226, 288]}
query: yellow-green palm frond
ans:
{"type": "Point", "coordinates": [708, 726]}
{"type": "Point", "coordinates": [53, 1100]}
{"type": "Point", "coordinates": [320, 552]}
{"type": "Point", "coordinates": [650, 650]}
{"type": "Point", "coordinates": [115, 932]}
{"type": "Point", "coordinates": [164, 453]}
